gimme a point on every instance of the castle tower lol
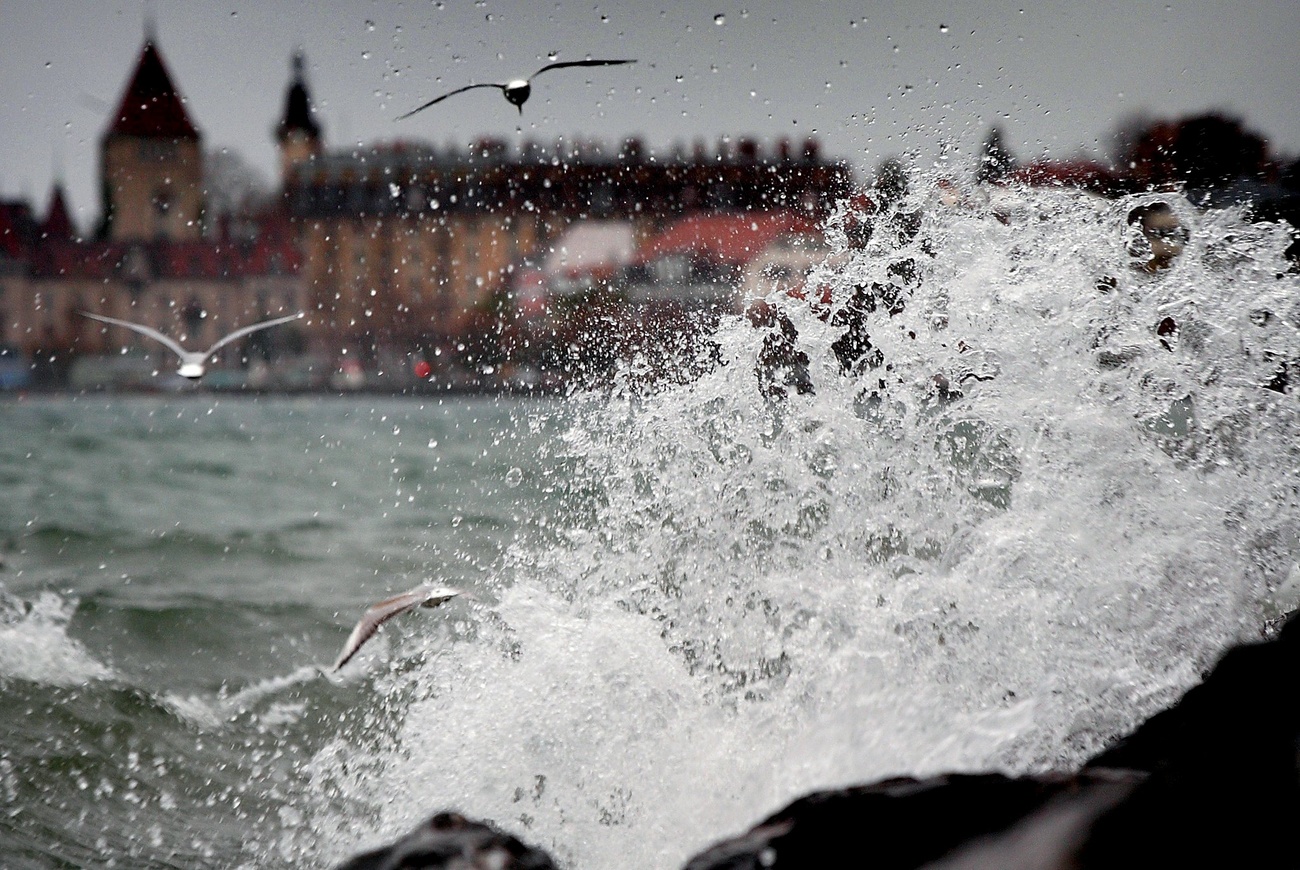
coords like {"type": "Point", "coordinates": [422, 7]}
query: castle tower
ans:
{"type": "Point", "coordinates": [151, 160]}
{"type": "Point", "coordinates": [58, 224]}
{"type": "Point", "coordinates": [298, 132]}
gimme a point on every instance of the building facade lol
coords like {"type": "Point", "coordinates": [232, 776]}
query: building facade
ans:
{"type": "Point", "coordinates": [149, 261]}
{"type": "Point", "coordinates": [392, 250]}
{"type": "Point", "coordinates": [403, 244]}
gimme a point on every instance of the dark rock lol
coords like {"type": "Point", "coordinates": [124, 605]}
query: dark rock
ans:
{"type": "Point", "coordinates": [903, 823]}
{"type": "Point", "coordinates": [1212, 781]}
{"type": "Point", "coordinates": [450, 841]}
{"type": "Point", "coordinates": [1224, 764]}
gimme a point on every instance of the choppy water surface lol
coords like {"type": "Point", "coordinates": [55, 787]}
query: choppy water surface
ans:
{"type": "Point", "coordinates": [694, 602]}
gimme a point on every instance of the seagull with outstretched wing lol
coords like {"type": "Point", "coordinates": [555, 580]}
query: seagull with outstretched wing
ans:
{"type": "Point", "coordinates": [516, 90]}
{"type": "Point", "coordinates": [193, 363]}
{"type": "Point", "coordinates": [377, 614]}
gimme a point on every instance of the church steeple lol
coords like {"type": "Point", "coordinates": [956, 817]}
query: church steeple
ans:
{"type": "Point", "coordinates": [58, 223]}
{"type": "Point", "coordinates": [298, 132]}
{"type": "Point", "coordinates": [151, 158]}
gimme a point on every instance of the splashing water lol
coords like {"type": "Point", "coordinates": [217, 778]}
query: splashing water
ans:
{"type": "Point", "coordinates": [1032, 524]}
{"type": "Point", "coordinates": [34, 643]}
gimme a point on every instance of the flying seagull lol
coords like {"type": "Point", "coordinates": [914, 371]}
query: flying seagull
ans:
{"type": "Point", "coordinates": [516, 90]}
{"type": "Point", "coordinates": [378, 614]}
{"type": "Point", "coordinates": [193, 363]}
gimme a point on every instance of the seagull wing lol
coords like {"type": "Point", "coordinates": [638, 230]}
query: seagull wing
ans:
{"type": "Point", "coordinates": [143, 330]}
{"type": "Point", "coordinates": [450, 94]}
{"type": "Point", "coordinates": [564, 63]}
{"type": "Point", "coordinates": [378, 614]}
{"type": "Point", "coordinates": [240, 333]}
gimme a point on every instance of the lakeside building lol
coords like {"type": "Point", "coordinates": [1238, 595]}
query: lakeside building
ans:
{"type": "Point", "coordinates": [395, 250]}
{"type": "Point", "coordinates": [149, 260]}
{"type": "Point", "coordinates": [405, 246]}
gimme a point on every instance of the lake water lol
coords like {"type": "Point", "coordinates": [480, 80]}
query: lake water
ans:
{"type": "Point", "coordinates": [692, 603]}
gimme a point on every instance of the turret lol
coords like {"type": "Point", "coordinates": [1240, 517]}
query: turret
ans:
{"type": "Point", "coordinates": [298, 132]}
{"type": "Point", "coordinates": [151, 159]}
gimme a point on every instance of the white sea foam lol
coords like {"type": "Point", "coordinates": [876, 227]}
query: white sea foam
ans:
{"type": "Point", "coordinates": [757, 600]}
{"type": "Point", "coordinates": [35, 646]}
{"type": "Point", "coordinates": [260, 699]}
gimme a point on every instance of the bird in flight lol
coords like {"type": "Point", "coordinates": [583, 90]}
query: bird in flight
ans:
{"type": "Point", "coordinates": [193, 363]}
{"type": "Point", "coordinates": [516, 90]}
{"type": "Point", "coordinates": [377, 614]}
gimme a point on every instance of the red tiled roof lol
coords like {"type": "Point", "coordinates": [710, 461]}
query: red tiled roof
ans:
{"type": "Point", "coordinates": [202, 259]}
{"type": "Point", "coordinates": [725, 238]}
{"type": "Point", "coordinates": [150, 107]}
{"type": "Point", "coordinates": [1074, 173]}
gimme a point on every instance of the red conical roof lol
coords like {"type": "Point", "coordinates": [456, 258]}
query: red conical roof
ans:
{"type": "Point", "coordinates": [151, 108]}
{"type": "Point", "coordinates": [57, 223]}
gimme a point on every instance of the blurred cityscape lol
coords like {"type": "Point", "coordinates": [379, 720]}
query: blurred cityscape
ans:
{"type": "Point", "coordinates": [493, 267]}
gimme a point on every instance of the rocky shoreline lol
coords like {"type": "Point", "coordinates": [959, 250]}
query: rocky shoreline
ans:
{"type": "Point", "coordinates": [1212, 781]}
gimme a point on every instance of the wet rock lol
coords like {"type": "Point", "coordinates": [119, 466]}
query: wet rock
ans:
{"type": "Point", "coordinates": [902, 823]}
{"type": "Point", "coordinates": [1224, 766]}
{"type": "Point", "coordinates": [1212, 781]}
{"type": "Point", "coordinates": [453, 842]}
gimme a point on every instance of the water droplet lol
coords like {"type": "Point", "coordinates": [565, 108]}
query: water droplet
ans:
{"type": "Point", "coordinates": [365, 55]}
{"type": "Point", "coordinates": [370, 25]}
{"type": "Point", "coordinates": [719, 19]}
{"type": "Point", "coordinates": [514, 477]}
{"type": "Point", "coordinates": [943, 28]}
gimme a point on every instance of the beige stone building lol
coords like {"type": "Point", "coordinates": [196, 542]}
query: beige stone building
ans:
{"type": "Point", "coordinates": [394, 251]}
{"type": "Point", "coordinates": [149, 261]}
{"type": "Point", "coordinates": [151, 160]}
{"type": "Point", "coordinates": [406, 246]}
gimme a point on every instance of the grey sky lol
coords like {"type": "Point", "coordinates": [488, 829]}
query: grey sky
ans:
{"type": "Point", "coordinates": [868, 79]}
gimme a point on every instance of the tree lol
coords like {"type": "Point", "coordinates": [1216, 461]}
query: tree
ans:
{"type": "Point", "coordinates": [1126, 135]}
{"type": "Point", "coordinates": [233, 187]}
{"type": "Point", "coordinates": [995, 162]}
{"type": "Point", "coordinates": [1201, 152]}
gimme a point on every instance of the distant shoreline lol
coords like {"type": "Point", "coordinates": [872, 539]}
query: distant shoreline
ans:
{"type": "Point", "coordinates": [421, 391]}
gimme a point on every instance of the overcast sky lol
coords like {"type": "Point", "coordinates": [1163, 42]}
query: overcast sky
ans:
{"type": "Point", "coordinates": [868, 79]}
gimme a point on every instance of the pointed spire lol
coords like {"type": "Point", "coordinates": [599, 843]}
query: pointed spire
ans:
{"type": "Point", "coordinates": [150, 22]}
{"type": "Point", "coordinates": [57, 223]}
{"type": "Point", "coordinates": [150, 107]}
{"type": "Point", "coordinates": [298, 114]}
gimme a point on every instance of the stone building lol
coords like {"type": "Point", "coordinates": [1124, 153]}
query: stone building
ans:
{"type": "Point", "coordinates": [151, 160]}
{"type": "Point", "coordinates": [393, 250]}
{"type": "Point", "coordinates": [149, 262]}
{"type": "Point", "coordinates": [404, 245]}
